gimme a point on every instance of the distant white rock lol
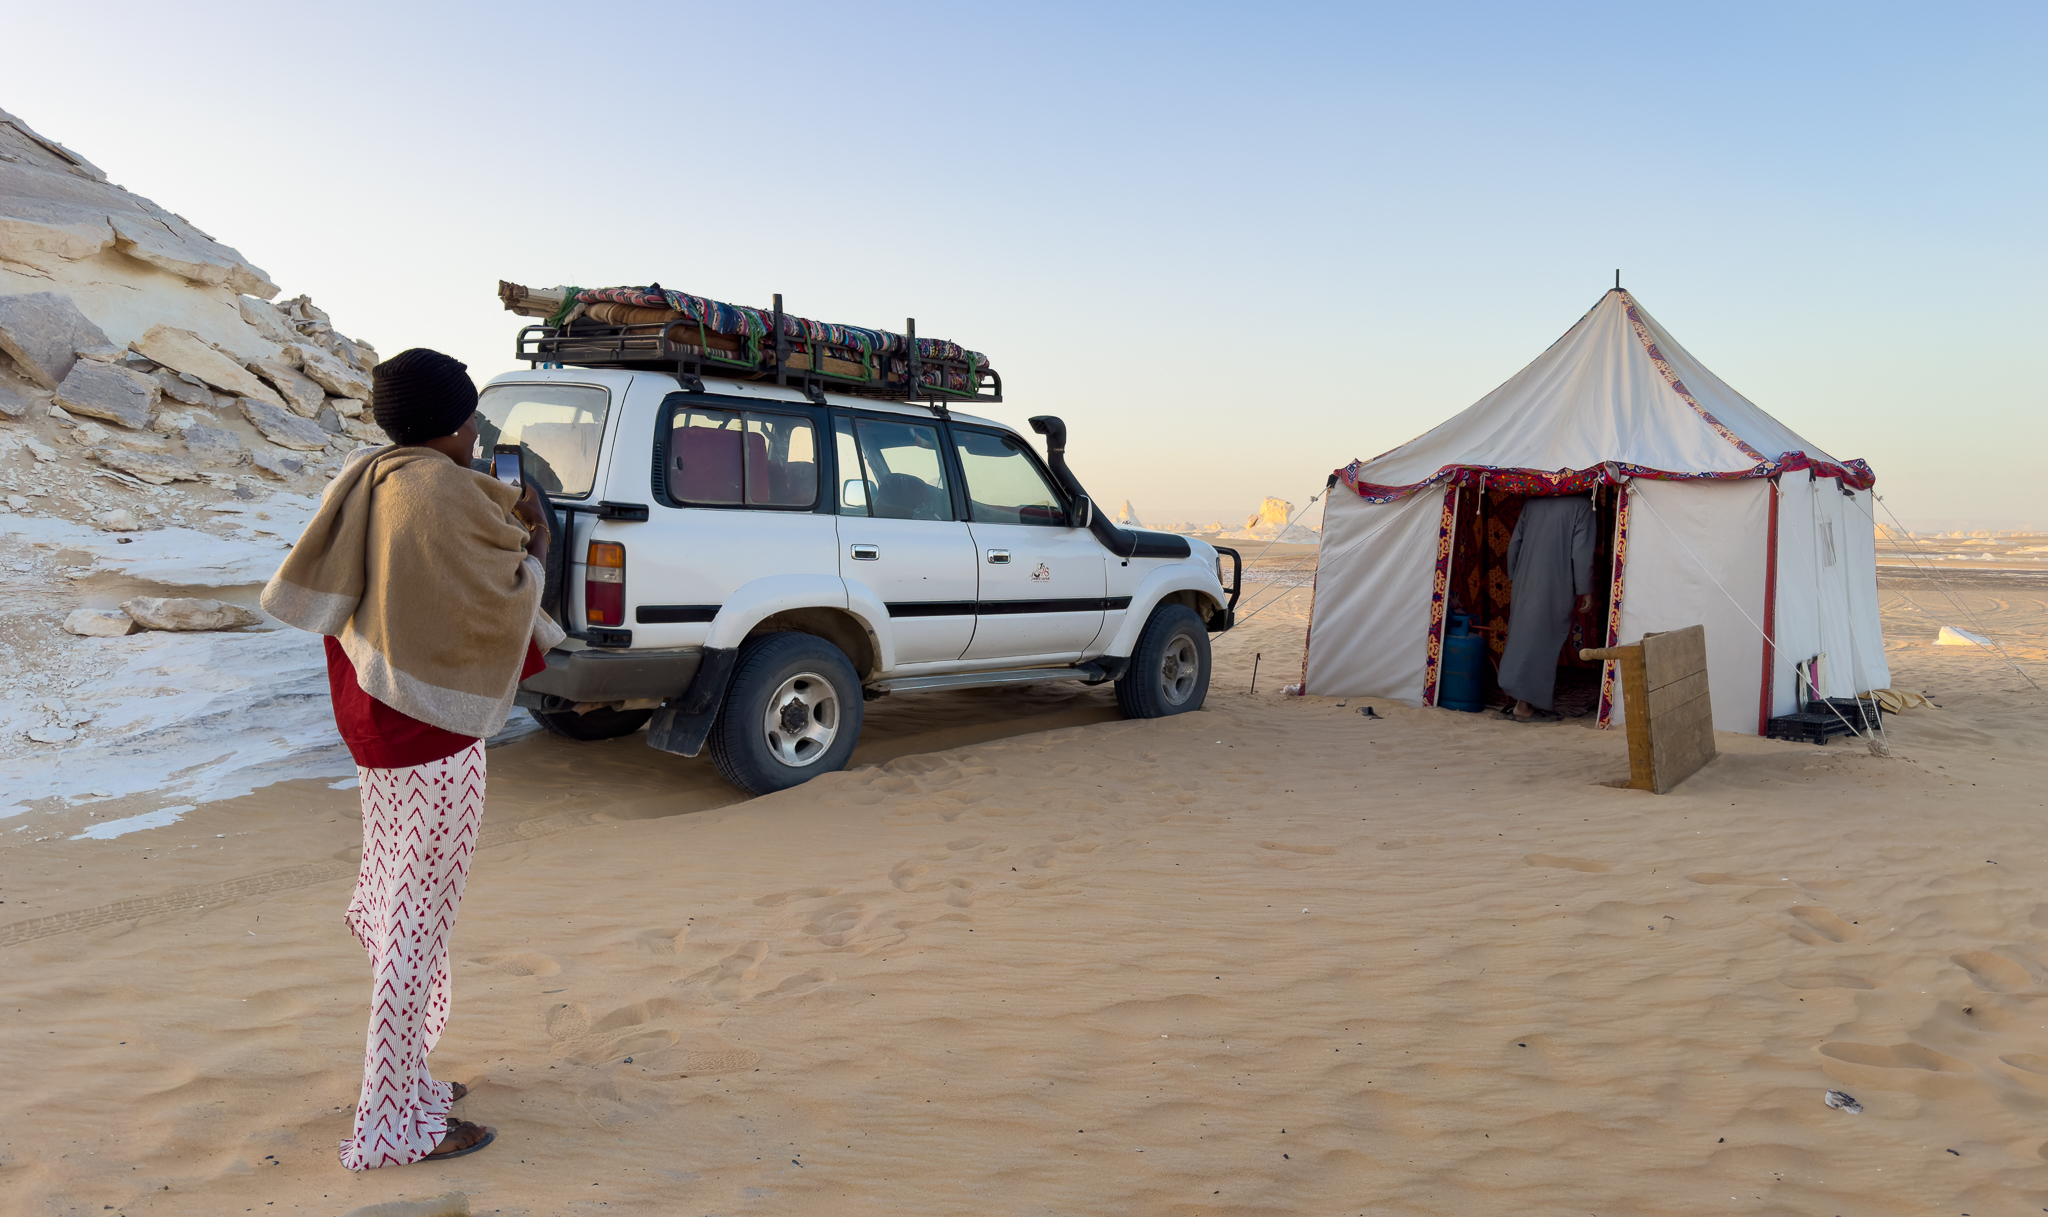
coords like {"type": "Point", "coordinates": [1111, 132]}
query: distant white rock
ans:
{"type": "Point", "coordinates": [1952, 637]}
{"type": "Point", "coordinates": [1128, 516]}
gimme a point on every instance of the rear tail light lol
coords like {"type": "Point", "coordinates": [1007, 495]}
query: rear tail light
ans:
{"type": "Point", "coordinates": [604, 584]}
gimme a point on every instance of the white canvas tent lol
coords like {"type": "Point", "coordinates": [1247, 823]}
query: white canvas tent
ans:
{"type": "Point", "coordinates": [1715, 513]}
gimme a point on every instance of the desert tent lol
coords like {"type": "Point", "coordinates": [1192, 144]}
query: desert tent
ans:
{"type": "Point", "coordinates": [1711, 512]}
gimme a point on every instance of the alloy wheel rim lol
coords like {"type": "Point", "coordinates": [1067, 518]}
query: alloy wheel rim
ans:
{"type": "Point", "coordinates": [1179, 667]}
{"type": "Point", "coordinates": [802, 720]}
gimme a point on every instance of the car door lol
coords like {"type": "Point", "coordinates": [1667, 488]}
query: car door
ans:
{"type": "Point", "coordinates": [900, 535]}
{"type": "Point", "coordinates": [1042, 582]}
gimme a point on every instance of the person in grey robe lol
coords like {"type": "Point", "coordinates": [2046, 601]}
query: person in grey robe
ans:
{"type": "Point", "coordinates": [1550, 560]}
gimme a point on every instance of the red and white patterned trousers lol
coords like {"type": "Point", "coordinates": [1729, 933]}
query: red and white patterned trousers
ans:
{"type": "Point", "coordinates": [419, 830]}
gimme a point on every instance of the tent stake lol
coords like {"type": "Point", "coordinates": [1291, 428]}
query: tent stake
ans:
{"type": "Point", "coordinates": [1255, 670]}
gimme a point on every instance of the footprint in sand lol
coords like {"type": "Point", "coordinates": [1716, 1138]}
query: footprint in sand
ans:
{"type": "Point", "coordinates": [1304, 849]}
{"type": "Point", "coordinates": [660, 942]}
{"type": "Point", "coordinates": [1894, 1056]}
{"type": "Point", "coordinates": [520, 965]}
{"type": "Point", "coordinates": [568, 1021]}
{"type": "Point", "coordinates": [1825, 980]}
{"type": "Point", "coordinates": [1816, 926]}
{"type": "Point", "coordinates": [1560, 862]}
{"type": "Point", "coordinates": [1993, 973]}
{"type": "Point", "coordinates": [2027, 1063]}
{"type": "Point", "coordinates": [777, 899]}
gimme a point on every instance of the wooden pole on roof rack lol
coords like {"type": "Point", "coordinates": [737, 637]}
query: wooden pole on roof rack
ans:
{"type": "Point", "coordinates": [916, 377]}
{"type": "Point", "coordinates": [781, 347]}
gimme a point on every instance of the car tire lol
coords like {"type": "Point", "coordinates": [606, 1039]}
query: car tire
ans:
{"type": "Point", "coordinates": [595, 725]}
{"type": "Point", "coordinates": [1169, 669]}
{"type": "Point", "coordinates": [793, 711]}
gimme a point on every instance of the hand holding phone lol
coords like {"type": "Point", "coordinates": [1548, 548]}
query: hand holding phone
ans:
{"type": "Point", "coordinates": [508, 465]}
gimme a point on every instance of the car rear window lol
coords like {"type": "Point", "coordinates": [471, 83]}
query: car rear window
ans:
{"type": "Point", "coordinates": [742, 458]}
{"type": "Point", "coordinates": [560, 426]}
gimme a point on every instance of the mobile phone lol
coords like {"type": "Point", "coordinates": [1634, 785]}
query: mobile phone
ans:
{"type": "Point", "coordinates": [508, 465]}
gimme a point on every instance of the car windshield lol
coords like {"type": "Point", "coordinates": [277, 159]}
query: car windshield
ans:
{"type": "Point", "coordinates": [559, 426]}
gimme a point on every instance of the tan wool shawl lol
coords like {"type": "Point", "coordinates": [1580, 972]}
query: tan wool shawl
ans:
{"type": "Point", "coordinates": [419, 567]}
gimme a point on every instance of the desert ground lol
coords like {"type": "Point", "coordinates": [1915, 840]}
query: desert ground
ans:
{"type": "Point", "coordinates": [1025, 957]}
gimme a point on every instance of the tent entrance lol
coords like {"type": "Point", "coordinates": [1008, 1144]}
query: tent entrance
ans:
{"type": "Point", "coordinates": [1480, 588]}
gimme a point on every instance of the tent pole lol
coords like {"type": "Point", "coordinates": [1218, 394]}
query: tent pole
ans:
{"type": "Point", "coordinates": [1770, 630]}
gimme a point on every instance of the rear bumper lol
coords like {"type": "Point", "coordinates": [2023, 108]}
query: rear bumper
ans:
{"type": "Point", "coordinates": [606, 676]}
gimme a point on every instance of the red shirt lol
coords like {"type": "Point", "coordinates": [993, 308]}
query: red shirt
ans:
{"type": "Point", "coordinates": [380, 737]}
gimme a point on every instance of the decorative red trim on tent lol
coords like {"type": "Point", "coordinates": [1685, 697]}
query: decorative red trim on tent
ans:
{"type": "Point", "coordinates": [1763, 709]}
{"type": "Point", "coordinates": [1855, 474]}
{"type": "Point", "coordinates": [1614, 604]}
{"type": "Point", "coordinates": [1445, 528]}
{"type": "Point", "coordinates": [1670, 375]}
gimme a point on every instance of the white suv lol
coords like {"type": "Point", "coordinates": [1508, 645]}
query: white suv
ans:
{"type": "Point", "coordinates": [741, 565]}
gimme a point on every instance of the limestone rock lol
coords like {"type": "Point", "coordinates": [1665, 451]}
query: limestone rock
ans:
{"type": "Point", "coordinates": [100, 623]}
{"type": "Point", "coordinates": [213, 446]}
{"type": "Point", "coordinates": [149, 239]}
{"type": "Point", "coordinates": [155, 468]}
{"type": "Point", "coordinates": [365, 430]}
{"type": "Point", "coordinates": [120, 519]}
{"type": "Point", "coordinates": [52, 735]}
{"type": "Point", "coordinates": [141, 441]}
{"type": "Point", "coordinates": [39, 450]}
{"type": "Point", "coordinates": [276, 464]}
{"type": "Point", "coordinates": [105, 390]}
{"type": "Point", "coordinates": [284, 430]}
{"type": "Point", "coordinates": [14, 403]}
{"type": "Point", "coordinates": [328, 420]}
{"type": "Point", "coordinates": [187, 390]}
{"type": "Point", "coordinates": [336, 376]}
{"type": "Point", "coordinates": [89, 435]}
{"type": "Point", "coordinates": [300, 394]}
{"type": "Point", "coordinates": [268, 321]}
{"type": "Point", "coordinates": [186, 614]}
{"type": "Point", "coordinates": [347, 407]}
{"type": "Point", "coordinates": [44, 332]}
{"type": "Point", "coordinates": [187, 352]}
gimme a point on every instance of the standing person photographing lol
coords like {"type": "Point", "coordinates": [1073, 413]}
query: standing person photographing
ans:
{"type": "Point", "coordinates": [426, 578]}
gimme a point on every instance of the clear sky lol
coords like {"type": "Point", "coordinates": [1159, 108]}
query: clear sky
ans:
{"type": "Point", "coordinates": [1234, 246]}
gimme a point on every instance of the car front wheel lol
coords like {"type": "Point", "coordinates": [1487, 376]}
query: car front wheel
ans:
{"type": "Point", "coordinates": [792, 713]}
{"type": "Point", "coordinates": [1169, 671]}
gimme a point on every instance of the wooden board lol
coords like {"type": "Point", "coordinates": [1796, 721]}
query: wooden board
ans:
{"type": "Point", "coordinates": [1670, 717]}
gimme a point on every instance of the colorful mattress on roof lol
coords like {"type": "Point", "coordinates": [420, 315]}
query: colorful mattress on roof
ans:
{"type": "Point", "coordinates": [740, 320]}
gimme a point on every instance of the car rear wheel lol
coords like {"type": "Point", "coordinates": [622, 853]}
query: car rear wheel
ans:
{"type": "Point", "coordinates": [594, 725]}
{"type": "Point", "coordinates": [1169, 671]}
{"type": "Point", "coordinates": [793, 712]}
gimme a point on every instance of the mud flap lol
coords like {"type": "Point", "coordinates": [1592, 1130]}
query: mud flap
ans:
{"type": "Point", "coordinates": [683, 723]}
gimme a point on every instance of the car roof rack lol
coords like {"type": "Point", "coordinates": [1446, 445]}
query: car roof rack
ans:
{"type": "Point", "coordinates": [582, 334]}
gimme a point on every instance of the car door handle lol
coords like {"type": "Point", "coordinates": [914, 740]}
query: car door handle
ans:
{"type": "Point", "coordinates": [866, 553]}
{"type": "Point", "coordinates": [1000, 557]}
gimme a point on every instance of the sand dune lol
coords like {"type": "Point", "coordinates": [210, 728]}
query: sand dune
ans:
{"type": "Point", "coordinates": [1027, 957]}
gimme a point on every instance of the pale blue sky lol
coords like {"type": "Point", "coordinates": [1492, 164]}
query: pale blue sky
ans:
{"type": "Point", "coordinates": [1234, 246]}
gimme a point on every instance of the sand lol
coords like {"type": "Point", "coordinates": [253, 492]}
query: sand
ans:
{"type": "Point", "coordinates": [1029, 958]}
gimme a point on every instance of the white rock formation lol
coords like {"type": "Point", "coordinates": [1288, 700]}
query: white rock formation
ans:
{"type": "Point", "coordinates": [188, 614]}
{"type": "Point", "coordinates": [1128, 516]}
{"type": "Point", "coordinates": [100, 623]}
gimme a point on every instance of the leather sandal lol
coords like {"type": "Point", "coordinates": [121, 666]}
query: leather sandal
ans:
{"type": "Point", "coordinates": [462, 1137]}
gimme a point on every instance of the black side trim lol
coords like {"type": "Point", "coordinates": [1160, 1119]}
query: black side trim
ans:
{"type": "Point", "coordinates": [674, 614]}
{"type": "Point", "coordinates": [684, 723]}
{"type": "Point", "coordinates": [1004, 608]}
{"type": "Point", "coordinates": [602, 636]}
{"type": "Point", "coordinates": [999, 608]}
{"type": "Point", "coordinates": [932, 608]}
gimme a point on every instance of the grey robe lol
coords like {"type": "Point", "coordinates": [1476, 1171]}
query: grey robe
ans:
{"type": "Point", "coordinates": [1550, 560]}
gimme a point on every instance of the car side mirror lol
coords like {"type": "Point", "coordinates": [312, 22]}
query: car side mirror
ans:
{"type": "Point", "coordinates": [1084, 512]}
{"type": "Point", "coordinates": [854, 493]}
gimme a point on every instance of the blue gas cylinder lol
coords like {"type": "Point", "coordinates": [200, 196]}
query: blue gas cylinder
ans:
{"type": "Point", "coordinates": [1459, 682]}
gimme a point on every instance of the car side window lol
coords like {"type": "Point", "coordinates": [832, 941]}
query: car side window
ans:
{"type": "Point", "coordinates": [733, 458]}
{"type": "Point", "coordinates": [895, 471]}
{"type": "Point", "coordinates": [1004, 485]}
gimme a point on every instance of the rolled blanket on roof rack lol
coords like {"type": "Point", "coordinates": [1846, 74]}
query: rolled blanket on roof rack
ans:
{"type": "Point", "coordinates": [624, 324]}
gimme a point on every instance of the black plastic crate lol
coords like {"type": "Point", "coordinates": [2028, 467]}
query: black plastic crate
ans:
{"type": "Point", "coordinates": [1823, 720]}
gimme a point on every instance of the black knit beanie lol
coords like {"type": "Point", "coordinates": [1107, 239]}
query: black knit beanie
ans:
{"type": "Point", "coordinates": [422, 395]}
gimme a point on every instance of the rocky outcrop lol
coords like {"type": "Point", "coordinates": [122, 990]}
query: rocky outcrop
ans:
{"type": "Point", "coordinates": [104, 390]}
{"type": "Point", "coordinates": [45, 335]}
{"type": "Point", "coordinates": [284, 430]}
{"type": "Point", "coordinates": [100, 623]}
